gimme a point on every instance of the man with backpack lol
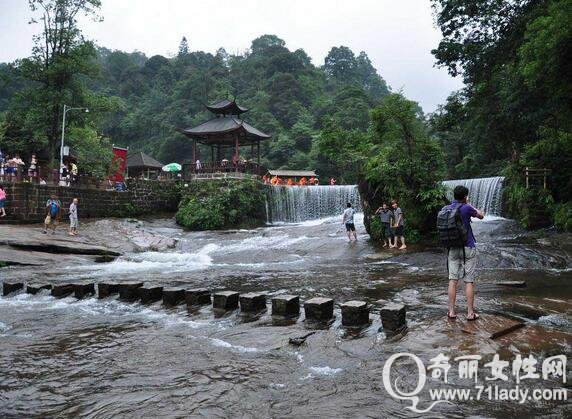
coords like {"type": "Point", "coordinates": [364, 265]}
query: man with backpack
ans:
{"type": "Point", "coordinates": [53, 214]}
{"type": "Point", "coordinates": [455, 233]}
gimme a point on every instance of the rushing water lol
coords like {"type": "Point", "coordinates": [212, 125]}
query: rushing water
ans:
{"type": "Point", "coordinates": [484, 193]}
{"type": "Point", "coordinates": [295, 204]}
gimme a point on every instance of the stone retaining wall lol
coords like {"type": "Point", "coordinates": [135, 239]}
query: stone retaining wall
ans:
{"type": "Point", "coordinates": [26, 202]}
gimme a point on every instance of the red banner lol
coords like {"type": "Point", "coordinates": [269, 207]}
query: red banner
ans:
{"type": "Point", "coordinates": [119, 161]}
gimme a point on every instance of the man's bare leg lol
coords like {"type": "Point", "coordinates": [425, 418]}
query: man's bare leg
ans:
{"type": "Point", "coordinates": [470, 293]}
{"type": "Point", "coordinates": [403, 243]}
{"type": "Point", "coordinates": [452, 294]}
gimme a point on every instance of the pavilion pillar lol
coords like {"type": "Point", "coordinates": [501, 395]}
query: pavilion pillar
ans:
{"type": "Point", "coordinates": [194, 155]}
{"type": "Point", "coordinates": [236, 151]}
{"type": "Point", "coordinates": [258, 156]}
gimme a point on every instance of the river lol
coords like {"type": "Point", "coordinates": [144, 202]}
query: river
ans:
{"type": "Point", "coordinates": [106, 358]}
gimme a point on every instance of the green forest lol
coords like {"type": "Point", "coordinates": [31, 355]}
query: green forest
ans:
{"type": "Point", "coordinates": [338, 117]}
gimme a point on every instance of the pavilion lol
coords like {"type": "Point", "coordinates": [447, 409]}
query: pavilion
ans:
{"type": "Point", "coordinates": [226, 131]}
{"type": "Point", "coordinates": [140, 164]}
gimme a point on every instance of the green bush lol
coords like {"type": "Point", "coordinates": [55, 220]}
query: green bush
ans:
{"type": "Point", "coordinates": [220, 204]}
{"type": "Point", "coordinates": [563, 217]}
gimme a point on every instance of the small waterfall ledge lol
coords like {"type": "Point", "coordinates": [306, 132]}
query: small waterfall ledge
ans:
{"type": "Point", "coordinates": [484, 193]}
{"type": "Point", "coordinates": [293, 204]}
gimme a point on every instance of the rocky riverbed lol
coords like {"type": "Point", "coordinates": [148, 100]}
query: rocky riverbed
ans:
{"type": "Point", "coordinates": [92, 357]}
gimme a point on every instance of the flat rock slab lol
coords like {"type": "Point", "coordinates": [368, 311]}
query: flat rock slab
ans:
{"type": "Point", "coordinates": [128, 290]}
{"type": "Point", "coordinates": [36, 288]}
{"type": "Point", "coordinates": [150, 294]}
{"type": "Point", "coordinates": [319, 309]}
{"type": "Point", "coordinates": [286, 305]}
{"type": "Point", "coordinates": [489, 326]}
{"type": "Point", "coordinates": [62, 290]}
{"type": "Point", "coordinates": [173, 296]}
{"type": "Point", "coordinates": [514, 284]}
{"type": "Point", "coordinates": [105, 289]}
{"type": "Point", "coordinates": [355, 313]}
{"type": "Point", "coordinates": [83, 290]}
{"type": "Point", "coordinates": [252, 302]}
{"type": "Point", "coordinates": [225, 300]}
{"type": "Point", "coordinates": [10, 287]}
{"type": "Point", "coordinates": [59, 245]}
{"type": "Point", "coordinates": [393, 316]}
{"type": "Point", "coordinates": [198, 296]}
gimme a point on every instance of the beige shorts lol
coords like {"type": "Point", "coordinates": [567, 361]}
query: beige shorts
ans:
{"type": "Point", "coordinates": [49, 221]}
{"type": "Point", "coordinates": [462, 269]}
{"type": "Point", "coordinates": [73, 222]}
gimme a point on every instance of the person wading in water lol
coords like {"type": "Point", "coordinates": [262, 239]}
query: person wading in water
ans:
{"type": "Point", "coordinates": [456, 234]}
{"type": "Point", "coordinates": [348, 220]}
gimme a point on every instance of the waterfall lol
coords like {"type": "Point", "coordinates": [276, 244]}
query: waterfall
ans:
{"type": "Point", "coordinates": [484, 193]}
{"type": "Point", "coordinates": [300, 203]}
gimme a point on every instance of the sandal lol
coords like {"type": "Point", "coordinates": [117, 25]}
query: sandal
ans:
{"type": "Point", "coordinates": [475, 316]}
{"type": "Point", "coordinates": [451, 317]}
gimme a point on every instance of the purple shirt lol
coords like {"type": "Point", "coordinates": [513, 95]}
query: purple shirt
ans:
{"type": "Point", "coordinates": [467, 211]}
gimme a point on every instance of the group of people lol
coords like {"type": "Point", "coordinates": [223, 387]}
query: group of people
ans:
{"type": "Point", "coordinates": [392, 225]}
{"type": "Point", "coordinates": [303, 181]}
{"type": "Point", "coordinates": [13, 167]}
{"type": "Point", "coordinates": [68, 174]}
{"type": "Point", "coordinates": [53, 215]}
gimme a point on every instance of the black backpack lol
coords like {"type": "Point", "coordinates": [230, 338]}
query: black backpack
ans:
{"type": "Point", "coordinates": [452, 231]}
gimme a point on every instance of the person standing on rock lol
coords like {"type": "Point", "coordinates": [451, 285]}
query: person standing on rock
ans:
{"type": "Point", "coordinates": [398, 224]}
{"type": "Point", "coordinates": [348, 221]}
{"type": "Point", "coordinates": [2, 201]}
{"type": "Point", "coordinates": [73, 218]}
{"type": "Point", "coordinates": [385, 217]}
{"type": "Point", "coordinates": [53, 214]}
{"type": "Point", "coordinates": [456, 234]}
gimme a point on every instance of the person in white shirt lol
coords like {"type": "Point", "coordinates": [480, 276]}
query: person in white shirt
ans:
{"type": "Point", "coordinates": [73, 217]}
{"type": "Point", "coordinates": [348, 220]}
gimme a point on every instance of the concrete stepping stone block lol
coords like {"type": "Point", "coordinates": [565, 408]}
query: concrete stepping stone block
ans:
{"type": "Point", "coordinates": [149, 293]}
{"type": "Point", "coordinates": [355, 313]}
{"type": "Point", "coordinates": [173, 296]}
{"type": "Point", "coordinates": [62, 290]}
{"type": "Point", "coordinates": [128, 291]}
{"type": "Point", "coordinates": [36, 288]}
{"type": "Point", "coordinates": [225, 300]}
{"type": "Point", "coordinates": [286, 305]}
{"type": "Point", "coordinates": [83, 290]}
{"type": "Point", "coordinates": [393, 316]}
{"type": "Point", "coordinates": [319, 308]}
{"type": "Point", "coordinates": [105, 289]}
{"type": "Point", "coordinates": [252, 302]}
{"type": "Point", "coordinates": [198, 297]}
{"type": "Point", "coordinates": [10, 287]}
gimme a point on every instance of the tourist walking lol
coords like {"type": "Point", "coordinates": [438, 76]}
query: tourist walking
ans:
{"type": "Point", "coordinates": [348, 221]}
{"type": "Point", "coordinates": [73, 217]}
{"type": "Point", "coordinates": [456, 234]}
{"type": "Point", "coordinates": [2, 201]}
{"type": "Point", "coordinates": [386, 218]}
{"type": "Point", "coordinates": [398, 225]}
{"type": "Point", "coordinates": [53, 214]}
{"type": "Point", "coordinates": [32, 170]}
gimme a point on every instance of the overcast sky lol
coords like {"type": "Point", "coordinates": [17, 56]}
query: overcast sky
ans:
{"type": "Point", "coordinates": [398, 35]}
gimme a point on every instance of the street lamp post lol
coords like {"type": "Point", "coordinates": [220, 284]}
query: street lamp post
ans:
{"type": "Point", "coordinates": [66, 109]}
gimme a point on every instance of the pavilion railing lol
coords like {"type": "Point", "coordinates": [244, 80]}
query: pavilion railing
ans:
{"type": "Point", "coordinates": [222, 166]}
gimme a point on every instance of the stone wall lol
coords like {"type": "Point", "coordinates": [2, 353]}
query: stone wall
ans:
{"type": "Point", "coordinates": [26, 202]}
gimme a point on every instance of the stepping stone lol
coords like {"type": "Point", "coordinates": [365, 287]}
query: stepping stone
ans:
{"type": "Point", "coordinates": [490, 326]}
{"type": "Point", "coordinates": [252, 302]}
{"type": "Point", "coordinates": [105, 289]}
{"type": "Point", "coordinates": [225, 300]}
{"type": "Point", "coordinates": [319, 308]}
{"type": "Point", "coordinates": [10, 287]}
{"type": "Point", "coordinates": [393, 316]}
{"type": "Point", "coordinates": [128, 291]}
{"type": "Point", "coordinates": [83, 290]}
{"type": "Point", "coordinates": [62, 290]}
{"type": "Point", "coordinates": [197, 297]}
{"type": "Point", "coordinates": [286, 305]}
{"type": "Point", "coordinates": [150, 294]}
{"type": "Point", "coordinates": [355, 313]}
{"type": "Point", "coordinates": [514, 284]}
{"type": "Point", "coordinates": [173, 296]}
{"type": "Point", "coordinates": [35, 288]}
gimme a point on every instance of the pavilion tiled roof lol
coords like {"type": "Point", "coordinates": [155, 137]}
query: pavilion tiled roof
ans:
{"type": "Point", "coordinates": [140, 159]}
